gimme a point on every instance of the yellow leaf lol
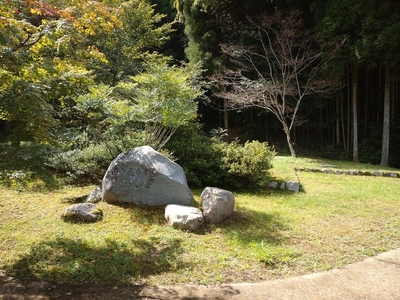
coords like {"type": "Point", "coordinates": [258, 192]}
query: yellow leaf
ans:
{"type": "Point", "coordinates": [36, 11]}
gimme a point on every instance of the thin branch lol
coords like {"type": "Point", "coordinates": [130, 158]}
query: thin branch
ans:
{"type": "Point", "coordinates": [29, 43]}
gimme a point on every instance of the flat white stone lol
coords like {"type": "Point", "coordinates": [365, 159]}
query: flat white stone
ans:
{"type": "Point", "coordinates": [184, 217]}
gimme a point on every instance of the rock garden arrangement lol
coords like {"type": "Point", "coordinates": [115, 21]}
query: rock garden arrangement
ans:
{"type": "Point", "coordinates": [143, 176]}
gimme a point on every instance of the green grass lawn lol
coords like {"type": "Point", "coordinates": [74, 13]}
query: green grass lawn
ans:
{"type": "Point", "coordinates": [335, 220]}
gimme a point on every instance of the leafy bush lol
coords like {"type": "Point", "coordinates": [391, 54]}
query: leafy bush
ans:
{"type": "Point", "coordinates": [206, 161]}
{"type": "Point", "coordinates": [90, 164]}
{"type": "Point", "coordinates": [333, 151]}
{"type": "Point", "coordinates": [370, 148]}
{"type": "Point", "coordinates": [211, 162]}
{"type": "Point", "coordinates": [195, 153]}
{"type": "Point", "coordinates": [246, 165]}
{"type": "Point", "coordinates": [84, 165]}
{"type": "Point", "coordinates": [370, 154]}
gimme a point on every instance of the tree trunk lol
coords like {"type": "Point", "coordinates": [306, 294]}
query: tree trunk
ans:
{"type": "Point", "coordinates": [289, 140]}
{"type": "Point", "coordinates": [355, 113]}
{"type": "Point", "coordinates": [226, 116]}
{"type": "Point", "coordinates": [366, 100]}
{"type": "Point", "coordinates": [344, 131]}
{"type": "Point", "coordinates": [386, 119]}
{"type": "Point", "coordinates": [337, 118]}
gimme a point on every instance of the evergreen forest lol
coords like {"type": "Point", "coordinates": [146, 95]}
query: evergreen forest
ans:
{"type": "Point", "coordinates": [81, 81]}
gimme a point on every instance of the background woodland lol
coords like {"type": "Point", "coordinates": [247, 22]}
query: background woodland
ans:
{"type": "Point", "coordinates": [81, 81]}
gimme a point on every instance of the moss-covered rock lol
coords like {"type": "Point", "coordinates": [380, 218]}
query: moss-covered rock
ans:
{"type": "Point", "coordinates": [82, 212]}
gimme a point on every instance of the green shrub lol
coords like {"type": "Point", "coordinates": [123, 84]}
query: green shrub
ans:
{"type": "Point", "coordinates": [333, 151]}
{"type": "Point", "coordinates": [195, 153]}
{"type": "Point", "coordinates": [206, 161]}
{"type": "Point", "coordinates": [84, 166]}
{"type": "Point", "coordinates": [211, 162]}
{"type": "Point", "coordinates": [247, 165]}
{"type": "Point", "coordinates": [370, 154]}
{"type": "Point", "coordinates": [88, 165]}
{"type": "Point", "coordinates": [370, 148]}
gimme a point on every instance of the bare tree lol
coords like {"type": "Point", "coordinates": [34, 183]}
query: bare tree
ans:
{"type": "Point", "coordinates": [277, 66]}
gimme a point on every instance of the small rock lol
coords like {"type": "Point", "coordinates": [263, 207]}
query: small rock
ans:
{"type": "Point", "coordinates": [272, 184]}
{"type": "Point", "coordinates": [217, 204]}
{"type": "Point", "coordinates": [94, 196]}
{"type": "Point", "coordinates": [184, 217]}
{"type": "Point", "coordinates": [82, 212]}
{"type": "Point", "coordinates": [293, 186]}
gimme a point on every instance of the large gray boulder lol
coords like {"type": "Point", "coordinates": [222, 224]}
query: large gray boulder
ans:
{"type": "Point", "coordinates": [218, 204]}
{"type": "Point", "coordinates": [82, 212]}
{"type": "Point", "coordinates": [144, 176]}
{"type": "Point", "coordinates": [184, 217]}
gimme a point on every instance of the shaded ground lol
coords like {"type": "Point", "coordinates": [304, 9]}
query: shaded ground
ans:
{"type": "Point", "coordinates": [11, 288]}
{"type": "Point", "coordinates": [373, 278]}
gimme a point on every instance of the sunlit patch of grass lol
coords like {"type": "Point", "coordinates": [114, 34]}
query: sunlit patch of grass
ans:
{"type": "Point", "coordinates": [285, 166]}
{"type": "Point", "coordinates": [335, 220]}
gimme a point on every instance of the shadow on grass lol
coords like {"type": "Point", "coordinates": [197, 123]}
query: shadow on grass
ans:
{"type": "Point", "coordinates": [145, 215]}
{"type": "Point", "coordinates": [245, 225]}
{"type": "Point", "coordinates": [248, 226]}
{"type": "Point", "coordinates": [74, 199]}
{"type": "Point", "coordinates": [75, 261]}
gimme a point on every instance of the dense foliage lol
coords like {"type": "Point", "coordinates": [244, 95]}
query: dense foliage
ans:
{"type": "Point", "coordinates": [85, 80]}
{"type": "Point", "coordinates": [218, 163]}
